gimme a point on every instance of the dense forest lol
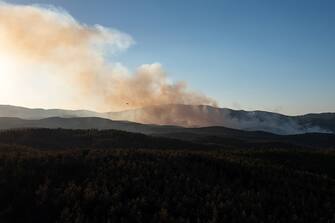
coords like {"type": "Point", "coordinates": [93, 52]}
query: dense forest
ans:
{"type": "Point", "coordinates": [112, 176]}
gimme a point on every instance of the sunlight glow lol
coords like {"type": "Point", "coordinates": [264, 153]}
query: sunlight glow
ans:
{"type": "Point", "coordinates": [7, 80]}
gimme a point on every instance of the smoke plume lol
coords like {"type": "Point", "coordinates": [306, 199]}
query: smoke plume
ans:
{"type": "Point", "coordinates": [49, 58]}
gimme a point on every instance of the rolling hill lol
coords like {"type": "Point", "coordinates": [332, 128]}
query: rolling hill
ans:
{"type": "Point", "coordinates": [215, 136]}
{"type": "Point", "coordinates": [194, 116]}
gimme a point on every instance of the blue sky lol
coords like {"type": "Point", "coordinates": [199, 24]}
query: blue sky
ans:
{"type": "Point", "coordinates": [275, 55]}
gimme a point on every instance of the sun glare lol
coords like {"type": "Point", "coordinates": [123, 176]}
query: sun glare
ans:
{"type": "Point", "coordinates": [7, 80]}
{"type": "Point", "coordinates": [6, 68]}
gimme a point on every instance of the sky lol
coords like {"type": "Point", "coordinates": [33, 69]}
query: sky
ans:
{"type": "Point", "coordinates": [274, 55]}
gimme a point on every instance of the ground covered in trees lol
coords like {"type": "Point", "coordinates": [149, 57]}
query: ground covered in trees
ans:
{"type": "Point", "coordinates": [102, 181]}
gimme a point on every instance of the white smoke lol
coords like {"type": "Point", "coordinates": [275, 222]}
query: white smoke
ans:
{"type": "Point", "coordinates": [50, 59]}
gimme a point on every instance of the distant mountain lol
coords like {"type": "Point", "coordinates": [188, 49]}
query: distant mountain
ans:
{"type": "Point", "coordinates": [195, 116]}
{"type": "Point", "coordinates": [202, 116]}
{"type": "Point", "coordinates": [84, 123]}
{"type": "Point", "coordinates": [207, 136]}
{"type": "Point", "coordinates": [38, 113]}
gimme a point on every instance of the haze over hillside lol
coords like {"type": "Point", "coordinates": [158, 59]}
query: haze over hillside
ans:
{"type": "Point", "coordinates": [194, 116]}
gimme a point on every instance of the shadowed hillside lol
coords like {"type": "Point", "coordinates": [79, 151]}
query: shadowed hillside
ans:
{"type": "Point", "coordinates": [194, 116]}
{"type": "Point", "coordinates": [214, 136]}
{"type": "Point", "coordinates": [111, 176]}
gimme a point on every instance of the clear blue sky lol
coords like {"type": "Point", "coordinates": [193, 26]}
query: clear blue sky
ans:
{"type": "Point", "coordinates": [276, 55]}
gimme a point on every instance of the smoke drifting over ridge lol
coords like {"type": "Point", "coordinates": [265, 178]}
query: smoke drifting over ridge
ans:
{"type": "Point", "coordinates": [44, 50]}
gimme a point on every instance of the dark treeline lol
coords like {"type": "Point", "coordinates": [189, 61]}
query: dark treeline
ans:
{"type": "Point", "coordinates": [140, 184]}
{"type": "Point", "coordinates": [69, 139]}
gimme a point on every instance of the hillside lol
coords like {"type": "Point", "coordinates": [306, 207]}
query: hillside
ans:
{"type": "Point", "coordinates": [195, 116]}
{"type": "Point", "coordinates": [213, 136]}
{"type": "Point", "coordinates": [111, 176]}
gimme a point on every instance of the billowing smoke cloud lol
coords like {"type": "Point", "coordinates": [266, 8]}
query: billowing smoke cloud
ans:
{"type": "Point", "coordinates": [45, 51]}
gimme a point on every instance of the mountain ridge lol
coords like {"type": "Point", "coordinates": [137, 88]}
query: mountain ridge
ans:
{"type": "Point", "coordinates": [194, 116]}
{"type": "Point", "coordinates": [215, 136]}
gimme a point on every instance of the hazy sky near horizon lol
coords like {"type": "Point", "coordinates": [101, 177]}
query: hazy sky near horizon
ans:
{"type": "Point", "coordinates": [275, 55]}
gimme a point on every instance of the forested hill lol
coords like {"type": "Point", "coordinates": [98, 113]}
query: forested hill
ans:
{"type": "Point", "coordinates": [214, 136]}
{"type": "Point", "coordinates": [57, 175]}
{"type": "Point", "coordinates": [70, 139]}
